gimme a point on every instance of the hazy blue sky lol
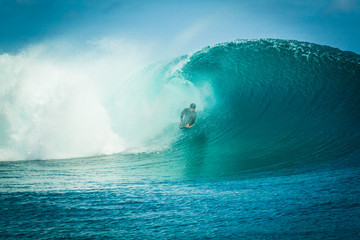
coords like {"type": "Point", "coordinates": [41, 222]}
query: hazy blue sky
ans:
{"type": "Point", "coordinates": [184, 25]}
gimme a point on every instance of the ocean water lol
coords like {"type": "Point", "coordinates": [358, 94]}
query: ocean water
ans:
{"type": "Point", "coordinates": [274, 153]}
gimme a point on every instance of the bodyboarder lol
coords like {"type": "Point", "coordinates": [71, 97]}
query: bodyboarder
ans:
{"type": "Point", "coordinates": [188, 117]}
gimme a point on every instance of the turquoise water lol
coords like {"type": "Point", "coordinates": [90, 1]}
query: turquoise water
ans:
{"type": "Point", "coordinates": [104, 198]}
{"type": "Point", "coordinates": [274, 152]}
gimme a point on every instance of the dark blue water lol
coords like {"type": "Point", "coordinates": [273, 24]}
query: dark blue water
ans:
{"type": "Point", "coordinates": [105, 198]}
{"type": "Point", "coordinates": [274, 154]}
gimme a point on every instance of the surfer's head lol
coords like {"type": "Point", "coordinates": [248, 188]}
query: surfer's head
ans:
{"type": "Point", "coordinates": [193, 106]}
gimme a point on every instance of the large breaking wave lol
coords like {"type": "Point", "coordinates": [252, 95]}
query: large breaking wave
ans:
{"type": "Point", "coordinates": [260, 103]}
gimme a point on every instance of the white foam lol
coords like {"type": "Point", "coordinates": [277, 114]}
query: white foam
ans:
{"type": "Point", "coordinates": [58, 101]}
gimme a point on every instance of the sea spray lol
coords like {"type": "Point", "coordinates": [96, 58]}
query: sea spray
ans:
{"type": "Point", "coordinates": [58, 101]}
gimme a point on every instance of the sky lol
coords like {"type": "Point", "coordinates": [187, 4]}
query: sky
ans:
{"type": "Point", "coordinates": [180, 26]}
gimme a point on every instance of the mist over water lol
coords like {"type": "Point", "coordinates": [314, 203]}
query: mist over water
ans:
{"type": "Point", "coordinates": [64, 101]}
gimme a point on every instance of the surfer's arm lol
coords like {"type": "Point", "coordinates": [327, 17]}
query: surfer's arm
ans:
{"type": "Point", "coordinates": [192, 122]}
{"type": "Point", "coordinates": [181, 124]}
{"type": "Point", "coordinates": [182, 114]}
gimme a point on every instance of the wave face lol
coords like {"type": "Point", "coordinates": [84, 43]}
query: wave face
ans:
{"type": "Point", "coordinates": [277, 102]}
{"type": "Point", "coordinates": [260, 103]}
